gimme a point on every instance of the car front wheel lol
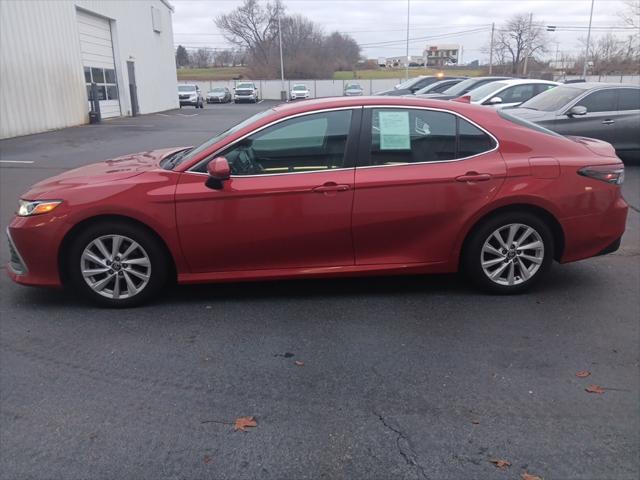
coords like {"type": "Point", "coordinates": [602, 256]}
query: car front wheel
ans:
{"type": "Point", "coordinates": [509, 253]}
{"type": "Point", "coordinates": [117, 264]}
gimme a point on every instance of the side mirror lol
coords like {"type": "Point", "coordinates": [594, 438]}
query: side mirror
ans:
{"type": "Point", "coordinates": [494, 101]}
{"type": "Point", "coordinates": [577, 111]}
{"type": "Point", "coordinates": [219, 171]}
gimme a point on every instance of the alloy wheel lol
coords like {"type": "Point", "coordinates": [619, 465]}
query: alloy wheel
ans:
{"type": "Point", "coordinates": [512, 254]}
{"type": "Point", "coordinates": [115, 266]}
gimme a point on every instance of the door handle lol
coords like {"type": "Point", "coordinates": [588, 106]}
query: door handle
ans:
{"type": "Point", "coordinates": [608, 121]}
{"type": "Point", "coordinates": [473, 177]}
{"type": "Point", "coordinates": [331, 187]}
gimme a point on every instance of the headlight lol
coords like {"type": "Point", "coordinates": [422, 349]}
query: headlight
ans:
{"type": "Point", "coordinates": [27, 208]}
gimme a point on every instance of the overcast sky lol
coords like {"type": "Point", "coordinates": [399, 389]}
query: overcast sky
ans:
{"type": "Point", "coordinates": [373, 22]}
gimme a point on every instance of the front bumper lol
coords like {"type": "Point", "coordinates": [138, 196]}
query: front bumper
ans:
{"type": "Point", "coordinates": [215, 99]}
{"type": "Point", "coordinates": [184, 102]}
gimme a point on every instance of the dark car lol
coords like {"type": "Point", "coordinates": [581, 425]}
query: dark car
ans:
{"type": "Point", "coordinates": [440, 86]}
{"type": "Point", "coordinates": [609, 112]}
{"type": "Point", "coordinates": [412, 86]}
{"type": "Point", "coordinates": [219, 95]}
{"type": "Point", "coordinates": [462, 88]}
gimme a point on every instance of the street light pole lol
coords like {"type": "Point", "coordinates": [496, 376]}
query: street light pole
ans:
{"type": "Point", "coordinates": [527, 48]}
{"type": "Point", "coordinates": [493, 27]}
{"type": "Point", "coordinates": [407, 59]}
{"type": "Point", "coordinates": [586, 51]}
{"type": "Point", "coordinates": [282, 90]}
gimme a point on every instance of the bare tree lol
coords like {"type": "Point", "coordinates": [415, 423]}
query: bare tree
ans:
{"type": "Point", "coordinates": [253, 28]}
{"type": "Point", "coordinates": [631, 14]}
{"type": "Point", "coordinates": [202, 58]}
{"type": "Point", "coordinates": [518, 39]}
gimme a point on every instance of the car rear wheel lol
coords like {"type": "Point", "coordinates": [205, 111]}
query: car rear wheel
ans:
{"type": "Point", "coordinates": [117, 264]}
{"type": "Point", "coordinates": [509, 253]}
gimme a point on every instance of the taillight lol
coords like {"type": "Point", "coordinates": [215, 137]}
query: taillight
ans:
{"type": "Point", "coordinates": [606, 173]}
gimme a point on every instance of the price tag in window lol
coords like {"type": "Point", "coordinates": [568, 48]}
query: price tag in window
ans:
{"type": "Point", "coordinates": [394, 130]}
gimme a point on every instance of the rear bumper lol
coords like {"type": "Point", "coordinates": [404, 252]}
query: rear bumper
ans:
{"type": "Point", "coordinates": [590, 235]}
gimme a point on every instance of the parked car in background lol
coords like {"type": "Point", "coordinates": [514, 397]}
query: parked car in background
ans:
{"type": "Point", "coordinates": [609, 112]}
{"type": "Point", "coordinates": [290, 193]}
{"type": "Point", "coordinates": [219, 95]}
{"type": "Point", "coordinates": [412, 85]}
{"type": "Point", "coordinates": [189, 94]}
{"type": "Point", "coordinates": [299, 91]}
{"type": "Point", "coordinates": [353, 90]}
{"type": "Point", "coordinates": [462, 88]}
{"type": "Point", "coordinates": [245, 92]}
{"type": "Point", "coordinates": [439, 87]}
{"type": "Point", "coordinates": [509, 93]}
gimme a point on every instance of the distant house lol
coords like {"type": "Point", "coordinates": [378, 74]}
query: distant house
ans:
{"type": "Point", "coordinates": [441, 55]}
{"type": "Point", "coordinates": [403, 61]}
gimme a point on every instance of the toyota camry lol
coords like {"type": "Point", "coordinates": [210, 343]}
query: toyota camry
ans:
{"type": "Point", "coordinates": [326, 188]}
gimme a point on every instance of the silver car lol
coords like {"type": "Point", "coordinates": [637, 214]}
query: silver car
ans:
{"type": "Point", "coordinates": [353, 90]}
{"type": "Point", "coordinates": [609, 112]}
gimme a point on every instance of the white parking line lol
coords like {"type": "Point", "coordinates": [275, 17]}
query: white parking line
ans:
{"type": "Point", "coordinates": [162, 115]}
{"type": "Point", "coordinates": [261, 101]}
{"type": "Point", "coordinates": [187, 114]}
{"type": "Point", "coordinates": [16, 161]}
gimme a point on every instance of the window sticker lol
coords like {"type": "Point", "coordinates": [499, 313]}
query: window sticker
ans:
{"type": "Point", "coordinates": [422, 127]}
{"type": "Point", "coordinates": [394, 130]}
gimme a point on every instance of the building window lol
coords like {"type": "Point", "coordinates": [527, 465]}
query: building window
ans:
{"type": "Point", "coordinates": [105, 80]}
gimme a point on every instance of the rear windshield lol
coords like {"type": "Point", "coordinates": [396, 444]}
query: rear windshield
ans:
{"type": "Point", "coordinates": [504, 113]}
{"type": "Point", "coordinates": [553, 99]}
{"type": "Point", "coordinates": [186, 88]}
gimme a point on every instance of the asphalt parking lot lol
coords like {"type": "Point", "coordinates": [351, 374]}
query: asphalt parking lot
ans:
{"type": "Point", "coordinates": [402, 378]}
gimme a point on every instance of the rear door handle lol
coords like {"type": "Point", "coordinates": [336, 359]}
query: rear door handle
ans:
{"type": "Point", "coordinates": [473, 177]}
{"type": "Point", "coordinates": [608, 122]}
{"type": "Point", "coordinates": [331, 187]}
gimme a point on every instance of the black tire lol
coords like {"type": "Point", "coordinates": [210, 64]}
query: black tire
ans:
{"type": "Point", "coordinates": [158, 270]}
{"type": "Point", "coordinates": [473, 255]}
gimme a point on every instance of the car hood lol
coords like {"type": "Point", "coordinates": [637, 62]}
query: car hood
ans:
{"type": "Point", "coordinates": [112, 170]}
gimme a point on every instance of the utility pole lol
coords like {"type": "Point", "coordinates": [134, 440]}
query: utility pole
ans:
{"type": "Point", "coordinates": [283, 92]}
{"type": "Point", "coordinates": [407, 59]}
{"type": "Point", "coordinates": [586, 51]}
{"type": "Point", "coordinates": [527, 47]}
{"type": "Point", "coordinates": [493, 28]}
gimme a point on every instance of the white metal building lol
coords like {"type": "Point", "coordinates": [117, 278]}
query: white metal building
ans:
{"type": "Point", "coordinates": [51, 51]}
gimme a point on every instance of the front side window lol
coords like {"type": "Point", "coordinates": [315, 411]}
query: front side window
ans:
{"type": "Point", "coordinates": [601, 101]}
{"type": "Point", "coordinates": [308, 143]}
{"type": "Point", "coordinates": [629, 99]}
{"type": "Point", "coordinates": [400, 136]}
{"type": "Point", "coordinates": [517, 93]}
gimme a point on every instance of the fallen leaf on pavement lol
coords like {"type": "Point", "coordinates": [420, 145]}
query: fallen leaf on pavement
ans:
{"type": "Point", "coordinates": [528, 476]}
{"type": "Point", "coordinates": [243, 422]}
{"type": "Point", "coordinates": [299, 363]}
{"type": "Point", "coordinates": [206, 459]}
{"type": "Point", "coordinates": [594, 389]}
{"type": "Point", "coordinates": [475, 422]}
{"type": "Point", "coordinates": [501, 464]}
{"type": "Point", "coordinates": [582, 374]}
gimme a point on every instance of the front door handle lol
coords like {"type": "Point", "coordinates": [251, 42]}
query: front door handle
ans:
{"type": "Point", "coordinates": [473, 177]}
{"type": "Point", "coordinates": [608, 121]}
{"type": "Point", "coordinates": [331, 187]}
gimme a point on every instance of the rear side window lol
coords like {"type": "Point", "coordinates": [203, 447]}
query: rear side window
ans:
{"type": "Point", "coordinates": [601, 101]}
{"type": "Point", "coordinates": [472, 140]}
{"type": "Point", "coordinates": [400, 136]}
{"type": "Point", "coordinates": [629, 99]}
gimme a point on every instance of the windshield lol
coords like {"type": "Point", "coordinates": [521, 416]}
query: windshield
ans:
{"type": "Point", "coordinates": [461, 87]}
{"type": "Point", "coordinates": [218, 89]}
{"type": "Point", "coordinates": [355, 86]}
{"type": "Point", "coordinates": [299, 87]}
{"type": "Point", "coordinates": [245, 85]}
{"type": "Point", "coordinates": [553, 99]}
{"type": "Point", "coordinates": [484, 90]}
{"type": "Point", "coordinates": [186, 88]}
{"type": "Point", "coordinates": [196, 151]}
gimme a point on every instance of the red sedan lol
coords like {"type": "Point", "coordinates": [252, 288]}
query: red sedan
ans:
{"type": "Point", "coordinates": [326, 188]}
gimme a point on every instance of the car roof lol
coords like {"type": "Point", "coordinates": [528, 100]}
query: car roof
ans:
{"type": "Point", "coordinates": [519, 81]}
{"type": "Point", "coordinates": [285, 109]}
{"type": "Point", "coordinates": [596, 85]}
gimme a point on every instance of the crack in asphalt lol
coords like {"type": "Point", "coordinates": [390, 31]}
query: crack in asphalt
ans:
{"type": "Point", "coordinates": [410, 457]}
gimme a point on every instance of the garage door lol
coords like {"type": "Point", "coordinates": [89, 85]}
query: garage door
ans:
{"type": "Point", "coordinates": [97, 59]}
